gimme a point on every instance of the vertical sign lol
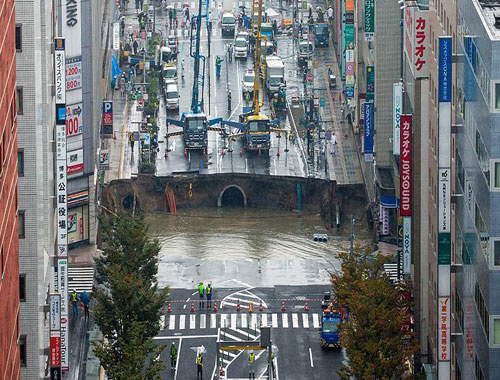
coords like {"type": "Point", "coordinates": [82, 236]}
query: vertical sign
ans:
{"type": "Point", "coordinates": [116, 36]}
{"type": "Point", "coordinates": [107, 118]}
{"type": "Point", "coordinates": [349, 73]}
{"type": "Point", "coordinates": [444, 228]}
{"type": "Point", "coordinates": [370, 83]}
{"type": "Point", "coordinates": [61, 193]}
{"type": "Point", "coordinates": [368, 138]}
{"type": "Point", "coordinates": [397, 106]}
{"type": "Point", "coordinates": [416, 40]}
{"type": "Point", "coordinates": [406, 245]}
{"type": "Point", "coordinates": [405, 165]}
{"type": "Point", "coordinates": [55, 330]}
{"type": "Point", "coordinates": [369, 20]}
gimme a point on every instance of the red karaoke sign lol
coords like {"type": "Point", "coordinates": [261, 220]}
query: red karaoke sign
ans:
{"type": "Point", "coordinates": [405, 165]}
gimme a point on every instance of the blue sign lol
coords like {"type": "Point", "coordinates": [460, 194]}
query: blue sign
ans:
{"type": "Point", "coordinates": [60, 114]}
{"type": "Point", "coordinates": [445, 51]}
{"type": "Point", "coordinates": [349, 92]}
{"type": "Point", "coordinates": [470, 66]}
{"type": "Point", "coordinates": [368, 113]}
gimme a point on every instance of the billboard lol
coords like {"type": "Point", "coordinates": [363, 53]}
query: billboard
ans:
{"type": "Point", "coordinates": [74, 119]}
{"type": "Point", "coordinates": [368, 136]}
{"type": "Point", "coordinates": [405, 165]}
{"type": "Point", "coordinates": [406, 245]}
{"type": "Point", "coordinates": [369, 20]}
{"type": "Point", "coordinates": [73, 73]}
{"type": "Point", "coordinates": [107, 117]}
{"type": "Point", "coordinates": [370, 83]}
{"type": "Point", "coordinates": [116, 36]}
{"type": "Point", "coordinates": [71, 11]}
{"type": "Point", "coordinates": [64, 343]}
{"type": "Point", "coordinates": [59, 70]}
{"type": "Point", "coordinates": [75, 162]}
{"type": "Point", "coordinates": [416, 37]}
{"type": "Point", "coordinates": [397, 107]}
{"type": "Point", "coordinates": [444, 200]}
{"type": "Point", "coordinates": [444, 329]}
{"type": "Point", "coordinates": [55, 313]}
{"type": "Point", "coordinates": [55, 351]}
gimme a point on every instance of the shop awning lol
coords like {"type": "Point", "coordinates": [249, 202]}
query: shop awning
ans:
{"type": "Point", "coordinates": [388, 201]}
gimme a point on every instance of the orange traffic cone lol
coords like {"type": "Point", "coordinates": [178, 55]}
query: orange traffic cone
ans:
{"type": "Point", "coordinates": [241, 152]}
{"type": "Point", "coordinates": [238, 306]}
{"type": "Point", "coordinates": [306, 306]}
{"type": "Point", "coordinates": [261, 308]}
{"type": "Point", "coordinates": [283, 308]}
{"type": "Point", "coordinates": [192, 307]}
{"type": "Point", "coordinates": [169, 308]}
{"type": "Point", "coordinates": [215, 306]}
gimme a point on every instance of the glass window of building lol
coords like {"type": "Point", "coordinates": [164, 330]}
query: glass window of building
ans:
{"type": "Point", "coordinates": [496, 331]}
{"type": "Point", "coordinates": [496, 175]}
{"type": "Point", "coordinates": [497, 96]}
{"type": "Point", "coordinates": [496, 253]}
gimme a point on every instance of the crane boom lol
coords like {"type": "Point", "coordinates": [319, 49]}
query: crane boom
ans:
{"type": "Point", "coordinates": [256, 32]}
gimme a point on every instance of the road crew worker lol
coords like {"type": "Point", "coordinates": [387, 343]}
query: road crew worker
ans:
{"type": "Point", "coordinates": [209, 294]}
{"type": "Point", "coordinates": [199, 365]}
{"type": "Point", "coordinates": [74, 301]}
{"type": "Point", "coordinates": [201, 293]}
{"type": "Point", "coordinates": [173, 356]}
{"type": "Point", "coordinates": [251, 361]}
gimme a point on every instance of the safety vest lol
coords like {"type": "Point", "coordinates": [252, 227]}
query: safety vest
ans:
{"type": "Point", "coordinates": [251, 358]}
{"type": "Point", "coordinates": [74, 297]}
{"type": "Point", "coordinates": [199, 360]}
{"type": "Point", "coordinates": [209, 289]}
{"type": "Point", "coordinates": [201, 290]}
{"type": "Point", "coordinates": [173, 352]}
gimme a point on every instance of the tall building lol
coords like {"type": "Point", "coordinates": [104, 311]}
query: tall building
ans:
{"type": "Point", "coordinates": [478, 181]}
{"type": "Point", "coordinates": [34, 28]}
{"type": "Point", "coordinates": [11, 346]}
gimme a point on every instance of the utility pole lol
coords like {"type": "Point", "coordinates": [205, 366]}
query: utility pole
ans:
{"type": "Point", "coordinates": [352, 235]}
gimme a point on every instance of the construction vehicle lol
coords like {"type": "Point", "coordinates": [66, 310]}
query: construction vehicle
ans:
{"type": "Point", "coordinates": [332, 318]}
{"type": "Point", "coordinates": [195, 124]}
{"type": "Point", "coordinates": [321, 34]}
{"type": "Point", "coordinates": [275, 74]}
{"type": "Point", "coordinates": [306, 48]}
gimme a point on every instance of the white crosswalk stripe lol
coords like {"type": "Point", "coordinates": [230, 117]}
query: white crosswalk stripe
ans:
{"type": "Point", "coordinates": [253, 321]}
{"type": "Point", "coordinates": [81, 278]}
{"type": "Point", "coordinates": [295, 320]}
{"type": "Point", "coordinates": [182, 322]}
{"type": "Point", "coordinates": [275, 321]}
{"type": "Point", "coordinates": [263, 322]}
{"type": "Point", "coordinates": [192, 321]}
{"type": "Point", "coordinates": [244, 324]}
{"type": "Point", "coordinates": [285, 320]}
{"type": "Point", "coordinates": [213, 321]}
{"type": "Point", "coordinates": [203, 321]}
{"type": "Point", "coordinates": [315, 321]}
{"type": "Point", "coordinates": [162, 322]}
{"type": "Point", "coordinates": [305, 320]}
{"type": "Point", "coordinates": [233, 321]}
{"type": "Point", "coordinates": [171, 324]}
{"type": "Point", "coordinates": [223, 321]}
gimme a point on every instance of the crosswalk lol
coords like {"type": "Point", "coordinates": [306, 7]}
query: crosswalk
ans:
{"type": "Point", "coordinates": [80, 278]}
{"type": "Point", "coordinates": [238, 321]}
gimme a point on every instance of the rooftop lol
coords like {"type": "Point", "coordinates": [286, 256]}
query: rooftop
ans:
{"type": "Point", "coordinates": [487, 11]}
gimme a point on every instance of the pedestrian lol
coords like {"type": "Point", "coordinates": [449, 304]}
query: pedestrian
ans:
{"type": "Point", "coordinates": [201, 293]}
{"type": "Point", "coordinates": [85, 298]}
{"type": "Point", "coordinates": [122, 26]}
{"type": "Point", "coordinates": [330, 72]}
{"type": "Point", "coordinates": [251, 361]}
{"type": "Point", "coordinates": [122, 85]}
{"type": "Point", "coordinates": [170, 16]}
{"type": "Point", "coordinates": [209, 295]}
{"type": "Point", "coordinates": [132, 140]}
{"type": "Point", "coordinates": [199, 365]}
{"type": "Point", "coordinates": [173, 356]}
{"type": "Point", "coordinates": [334, 143]}
{"type": "Point", "coordinates": [130, 31]}
{"type": "Point", "coordinates": [135, 45]}
{"type": "Point", "coordinates": [174, 15]}
{"type": "Point", "coordinates": [275, 27]}
{"type": "Point", "coordinates": [74, 301]}
{"type": "Point", "coordinates": [330, 15]}
{"type": "Point", "coordinates": [230, 52]}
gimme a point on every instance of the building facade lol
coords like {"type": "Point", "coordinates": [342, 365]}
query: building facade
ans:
{"type": "Point", "coordinates": [478, 180]}
{"type": "Point", "coordinates": [11, 345]}
{"type": "Point", "coordinates": [36, 121]}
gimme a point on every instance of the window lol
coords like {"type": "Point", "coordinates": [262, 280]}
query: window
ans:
{"type": "Point", "coordinates": [20, 163]}
{"type": "Point", "coordinates": [19, 100]}
{"type": "Point", "coordinates": [481, 308]}
{"type": "Point", "coordinates": [22, 350]}
{"type": "Point", "coordinates": [22, 287]}
{"type": "Point", "coordinates": [497, 96]}
{"type": "Point", "coordinates": [22, 224]}
{"type": "Point", "coordinates": [496, 253]}
{"type": "Point", "coordinates": [19, 37]}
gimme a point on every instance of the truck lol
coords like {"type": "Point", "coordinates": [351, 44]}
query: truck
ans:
{"type": "Point", "coordinates": [332, 318]}
{"type": "Point", "coordinates": [275, 74]}
{"type": "Point", "coordinates": [267, 31]}
{"type": "Point", "coordinates": [305, 52]}
{"type": "Point", "coordinates": [228, 23]}
{"type": "Point", "coordinates": [321, 34]}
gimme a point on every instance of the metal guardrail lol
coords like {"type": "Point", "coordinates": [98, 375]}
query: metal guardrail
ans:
{"type": "Point", "coordinates": [298, 139]}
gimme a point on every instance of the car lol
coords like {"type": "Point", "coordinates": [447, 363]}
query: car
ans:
{"type": "Point", "coordinates": [240, 47]}
{"type": "Point", "coordinates": [228, 23]}
{"type": "Point", "coordinates": [169, 71]}
{"type": "Point", "coordinates": [248, 80]}
{"type": "Point", "coordinates": [172, 96]}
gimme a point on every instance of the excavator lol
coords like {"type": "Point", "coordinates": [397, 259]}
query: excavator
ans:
{"type": "Point", "coordinates": [195, 124]}
{"type": "Point", "coordinates": [254, 127]}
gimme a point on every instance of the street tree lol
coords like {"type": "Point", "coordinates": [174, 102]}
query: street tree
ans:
{"type": "Point", "coordinates": [128, 303]}
{"type": "Point", "coordinates": [377, 337]}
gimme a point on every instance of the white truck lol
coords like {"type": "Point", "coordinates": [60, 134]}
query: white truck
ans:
{"type": "Point", "coordinates": [275, 74]}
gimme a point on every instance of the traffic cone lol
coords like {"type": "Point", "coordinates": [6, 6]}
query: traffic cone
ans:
{"type": "Point", "coordinates": [192, 307]}
{"type": "Point", "coordinates": [241, 152]}
{"type": "Point", "coordinates": [238, 306]}
{"type": "Point", "coordinates": [221, 371]}
{"type": "Point", "coordinates": [306, 306]}
{"type": "Point", "coordinates": [222, 153]}
{"type": "Point", "coordinates": [215, 306]}
{"type": "Point", "coordinates": [185, 152]}
{"type": "Point", "coordinates": [169, 308]}
{"type": "Point", "coordinates": [283, 308]}
{"type": "Point", "coordinates": [250, 307]}
{"type": "Point", "coordinates": [261, 307]}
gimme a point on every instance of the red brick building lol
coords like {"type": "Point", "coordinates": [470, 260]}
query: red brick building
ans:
{"type": "Point", "coordinates": [9, 222]}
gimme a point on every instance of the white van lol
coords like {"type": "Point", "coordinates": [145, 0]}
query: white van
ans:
{"type": "Point", "coordinates": [172, 96]}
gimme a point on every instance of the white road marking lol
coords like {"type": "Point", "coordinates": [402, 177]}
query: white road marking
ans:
{"type": "Point", "coordinates": [177, 362]}
{"type": "Point", "coordinates": [192, 321]}
{"type": "Point", "coordinates": [275, 320]}
{"type": "Point", "coordinates": [284, 319]}
{"type": "Point", "coordinates": [233, 320]}
{"type": "Point", "coordinates": [295, 320]}
{"type": "Point", "coordinates": [253, 321]}
{"type": "Point", "coordinates": [203, 321]}
{"type": "Point", "coordinates": [183, 337]}
{"type": "Point", "coordinates": [246, 334]}
{"type": "Point", "coordinates": [171, 324]}
{"type": "Point", "coordinates": [182, 322]}
{"type": "Point", "coordinates": [244, 324]}
{"type": "Point", "coordinates": [311, 357]}
{"type": "Point", "coordinates": [305, 320]}
{"type": "Point", "coordinates": [162, 322]}
{"type": "Point", "coordinates": [213, 321]}
{"type": "Point", "coordinates": [315, 321]}
{"type": "Point", "coordinates": [263, 322]}
{"type": "Point", "coordinates": [223, 321]}
{"type": "Point", "coordinates": [235, 304]}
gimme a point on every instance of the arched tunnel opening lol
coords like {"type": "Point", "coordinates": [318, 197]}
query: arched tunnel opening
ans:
{"type": "Point", "coordinates": [128, 202]}
{"type": "Point", "coordinates": [232, 196]}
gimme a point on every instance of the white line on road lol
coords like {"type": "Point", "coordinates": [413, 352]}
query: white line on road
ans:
{"type": "Point", "coordinates": [192, 321]}
{"type": "Point", "coordinates": [263, 321]}
{"type": "Point", "coordinates": [275, 320]}
{"type": "Point", "coordinates": [233, 321]}
{"type": "Point", "coordinates": [285, 320]}
{"type": "Point", "coordinates": [295, 320]}
{"type": "Point", "coordinates": [162, 322]}
{"type": "Point", "coordinates": [171, 324]}
{"type": "Point", "coordinates": [244, 323]}
{"type": "Point", "coordinates": [182, 322]}
{"type": "Point", "coordinates": [213, 321]}
{"type": "Point", "coordinates": [311, 357]}
{"type": "Point", "coordinates": [234, 305]}
{"type": "Point", "coordinates": [315, 321]}
{"type": "Point", "coordinates": [305, 320]}
{"type": "Point", "coordinates": [177, 362]}
{"type": "Point", "coordinates": [223, 321]}
{"type": "Point", "coordinates": [184, 337]}
{"type": "Point", "coordinates": [253, 321]}
{"type": "Point", "coordinates": [203, 321]}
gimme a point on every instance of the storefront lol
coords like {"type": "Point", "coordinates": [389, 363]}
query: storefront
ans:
{"type": "Point", "coordinates": [78, 213]}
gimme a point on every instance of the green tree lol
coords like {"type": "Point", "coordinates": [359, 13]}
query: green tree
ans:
{"type": "Point", "coordinates": [128, 302]}
{"type": "Point", "coordinates": [376, 341]}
